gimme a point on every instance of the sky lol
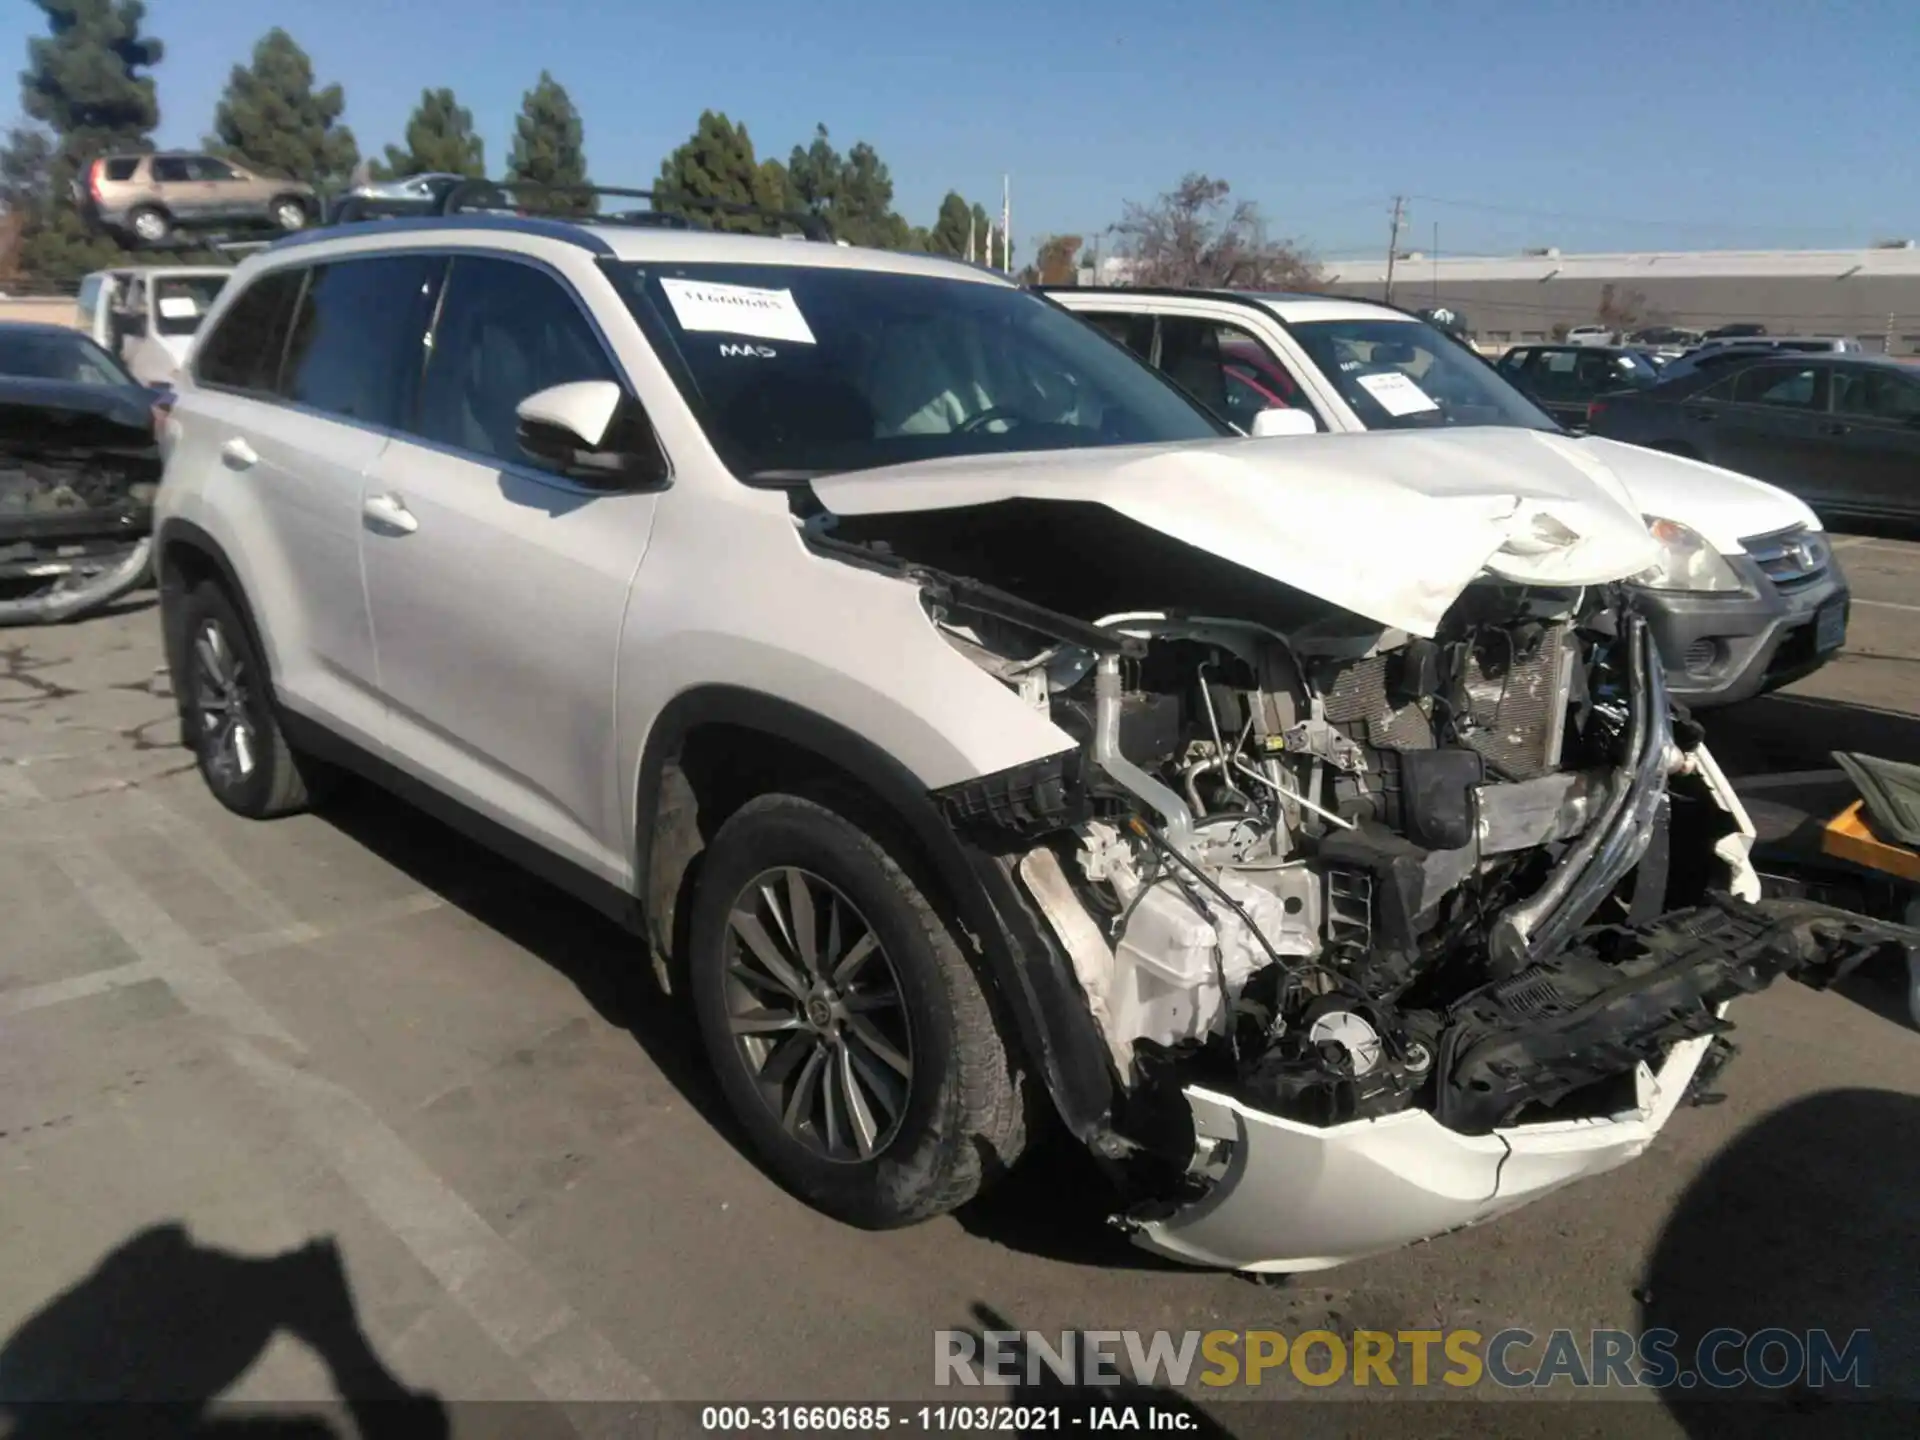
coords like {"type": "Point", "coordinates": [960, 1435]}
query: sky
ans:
{"type": "Point", "coordinates": [1604, 125]}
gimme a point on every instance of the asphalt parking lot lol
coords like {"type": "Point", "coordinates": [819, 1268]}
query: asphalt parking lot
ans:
{"type": "Point", "coordinates": [425, 1124]}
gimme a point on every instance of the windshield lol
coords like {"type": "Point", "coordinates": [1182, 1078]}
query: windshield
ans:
{"type": "Point", "coordinates": [74, 359]}
{"type": "Point", "coordinates": [1405, 375]}
{"type": "Point", "coordinates": [809, 369]}
{"type": "Point", "coordinates": [181, 302]}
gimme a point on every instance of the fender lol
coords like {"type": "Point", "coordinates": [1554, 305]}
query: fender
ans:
{"type": "Point", "coordinates": [172, 536]}
{"type": "Point", "coordinates": [1033, 975]}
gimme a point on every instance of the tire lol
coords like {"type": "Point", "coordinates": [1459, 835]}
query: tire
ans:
{"type": "Point", "coordinates": [227, 708]}
{"type": "Point", "coordinates": [150, 225]}
{"type": "Point", "coordinates": [288, 214]}
{"type": "Point", "coordinates": [962, 1118]}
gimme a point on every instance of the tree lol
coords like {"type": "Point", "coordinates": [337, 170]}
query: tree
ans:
{"type": "Point", "coordinates": [853, 193]}
{"type": "Point", "coordinates": [951, 227]}
{"type": "Point", "coordinates": [1056, 261]}
{"type": "Point", "coordinates": [1620, 310]}
{"type": "Point", "coordinates": [717, 163]}
{"type": "Point", "coordinates": [86, 90]}
{"type": "Point", "coordinates": [1194, 236]}
{"type": "Point", "coordinates": [273, 119]}
{"type": "Point", "coordinates": [440, 140]}
{"type": "Point", "coordinates": [548, 144]}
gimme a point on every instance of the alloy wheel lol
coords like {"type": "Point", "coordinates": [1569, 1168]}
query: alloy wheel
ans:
{"type": "Point", "coordinates": [289, 216]}
{"type": "Point", "coordinates": [222, 708]}
{"type": "Point", "coordinates": [150, 226]}
{"type": "Point", "coordinates": [817, 1015]}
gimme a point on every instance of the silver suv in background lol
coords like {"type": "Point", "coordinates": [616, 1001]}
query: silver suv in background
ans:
{"type": "Point", "coordinates": [149, 197]}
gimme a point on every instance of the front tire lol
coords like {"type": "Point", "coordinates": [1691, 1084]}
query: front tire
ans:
{"type": "Point", "coordinates": [226, 700]}
{"type": "Point", "coordinates": [851, 1036]}
{"type": "Point", "coordinates": [288, 215]}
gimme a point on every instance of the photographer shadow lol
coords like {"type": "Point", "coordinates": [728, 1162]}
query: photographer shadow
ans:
{"type": "Point", "coordinates": [162, 1327]}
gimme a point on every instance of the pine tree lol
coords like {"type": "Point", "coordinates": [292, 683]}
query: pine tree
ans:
{"type": "Point", "coordinates": [717, 163]}
{"type": "Point", "coordinates": [86, 93]}
{"type": "Point", "coordinates": [950, 228]}
{"type": "Point", "coordinates": [854, 192]}
{"type": "Point", "coordinates": [272, 119]}
{"type": "Point", "coordinates": [548, 147]}
{"type": "Point", "coordinates": [440, 140]}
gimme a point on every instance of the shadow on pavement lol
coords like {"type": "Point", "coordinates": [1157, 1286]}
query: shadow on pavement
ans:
{"type": "Point", "coordinates": [1804, 1222]}
{"type": "Point", "coordinates": [148, 1341]}
{"type": "Point", "coordinates": [608, 965]}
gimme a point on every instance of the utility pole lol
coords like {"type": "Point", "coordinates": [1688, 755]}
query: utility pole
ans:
{"type": "Point", "coordinates": [1393, 243]}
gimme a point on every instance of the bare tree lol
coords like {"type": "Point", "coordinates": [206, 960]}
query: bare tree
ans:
{"type": "Point", "coordinates": [1194, 235]}
{"type": "Point", "coordinates": [1620, 310]}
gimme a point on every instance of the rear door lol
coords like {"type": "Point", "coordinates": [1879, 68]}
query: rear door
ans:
{"type": "Point", "coordinates": [498, 589]}
{"type": "Point", "coordinates": [299, 388]}
{"type": "Point", "coordinates": [1875, 425]}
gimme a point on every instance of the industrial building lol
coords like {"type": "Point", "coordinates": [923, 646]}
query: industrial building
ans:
{"type": "Point", "coordinates": [1871, 295]}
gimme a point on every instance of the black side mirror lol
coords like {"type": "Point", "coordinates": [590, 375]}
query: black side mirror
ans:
{"type": "Point", "coordinates": [593, 432]}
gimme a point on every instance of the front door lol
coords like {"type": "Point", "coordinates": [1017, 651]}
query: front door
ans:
{"type": "Point", "coordinates": [498, 590]}
{"type": "Point", "coordinates": [1766, 421]}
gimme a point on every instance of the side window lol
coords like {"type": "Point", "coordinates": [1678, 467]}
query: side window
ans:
{"type": "Point", "coordinates": [1256, 378]}
{"type": "Point", "coordinates": [1786, 386]}
{"type": "Point", "coordinates": [169, 169]}
{"type": "Point", "coordinates": [243, 352]}
{"type": "Point", "coordinates": [1876, 395]}
{"type": "Point", "coordinates": [506, 330]}
{"type": "Point", "coordinates": [356, 349]}
{"type": "Point", "coordinates": [205, 167]}
{"type": "Point", "coordinates": [1133, 331]}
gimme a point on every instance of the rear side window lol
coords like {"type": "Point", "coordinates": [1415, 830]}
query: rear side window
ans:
{"type": "Point", "coordinates": [123, 167]}
{"type": "Point", "coordinates": [243, 352]}
{"type": "Point", "coordinates": [356, 350]}
{"type": "Point", "coordinates": [506, 330]}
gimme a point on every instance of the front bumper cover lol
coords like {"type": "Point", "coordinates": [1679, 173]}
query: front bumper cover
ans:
{"type": "Point", "coordinates": [1292, 1197]}
{"type": "Point", "coordinates": [1745, 642]}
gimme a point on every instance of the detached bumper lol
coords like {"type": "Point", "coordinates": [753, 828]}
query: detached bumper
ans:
{"type": "Point", "coordinates": [1298, 1198]}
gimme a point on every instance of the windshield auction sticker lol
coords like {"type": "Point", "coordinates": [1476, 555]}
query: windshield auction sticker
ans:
{"type": "Point", "coordinates": [737, 310]}
{"type": "Point", "coordinates": [1397, 394]}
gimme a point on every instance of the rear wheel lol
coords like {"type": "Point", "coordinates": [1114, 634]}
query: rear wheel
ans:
{"type": "Point", "coordinates": [850, 1034]}
{"type": "Point", "coordinates": [226, 699]}
{"type": "Point", "coordinates": [150, 224]}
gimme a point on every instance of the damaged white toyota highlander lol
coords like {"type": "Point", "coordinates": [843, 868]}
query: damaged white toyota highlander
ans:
{"type": "Point", "coordinates": [982, 735]}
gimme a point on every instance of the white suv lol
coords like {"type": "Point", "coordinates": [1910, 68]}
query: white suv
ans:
{"type": "Point", "coordinates": [973, 725]}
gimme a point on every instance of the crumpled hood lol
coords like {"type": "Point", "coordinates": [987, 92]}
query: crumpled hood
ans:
{"type": "Point", "coordinates": [1392, 526]}
{"type": "Point", "coordinates": [1724, 507]}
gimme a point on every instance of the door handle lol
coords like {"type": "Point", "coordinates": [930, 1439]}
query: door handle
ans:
{"type": "Point", "coordinates": [389, 512]}
{"type": "Point", "coordinates": [1834, 427]}
{"type": "Point", "coordinates": [1699, 414]}
{"type": "Point", "coordinates": [237, 454]}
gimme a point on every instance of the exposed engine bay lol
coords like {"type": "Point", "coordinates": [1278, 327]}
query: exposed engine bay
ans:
{"type": "Point", "coordinates": [1335, 870]}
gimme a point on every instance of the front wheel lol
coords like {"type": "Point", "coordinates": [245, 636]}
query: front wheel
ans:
{"type": "Point", "coordinates": [851, 1036]}
{"type": "Point", "coordinates": [226, 700]}
{"type": "Point", "coordinates": [288, 215]}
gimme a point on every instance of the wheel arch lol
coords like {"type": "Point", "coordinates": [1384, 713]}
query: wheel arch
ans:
{"type": "Point", "coordinates": [722, 744]}
{"type": "Point", "coordinates": [185, 556]}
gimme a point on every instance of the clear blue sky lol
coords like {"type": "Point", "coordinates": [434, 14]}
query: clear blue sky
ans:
{"type": "Point", "coordinates": [1625, 124]}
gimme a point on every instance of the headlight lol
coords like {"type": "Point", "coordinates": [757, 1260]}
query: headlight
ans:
{"type": "Point", "coordinates": [1687, 561]}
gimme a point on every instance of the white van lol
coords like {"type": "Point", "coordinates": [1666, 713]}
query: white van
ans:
{"type": "Point", "coordinates": [147, 315]}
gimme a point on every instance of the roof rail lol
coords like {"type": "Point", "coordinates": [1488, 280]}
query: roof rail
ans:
{"type": "Point", "coordinates": [493, 195]}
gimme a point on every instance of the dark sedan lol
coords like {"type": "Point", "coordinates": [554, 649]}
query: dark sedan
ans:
{"type": "Point", "coordinates": [1840, 431]}
{"type": "Point", "coordinates": [79, 465]}
{"type": "Point", "coordinates": [1564, 380]}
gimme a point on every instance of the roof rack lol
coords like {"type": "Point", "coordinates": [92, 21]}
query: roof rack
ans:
{"type": "Point", "coordinates": [484, 196]}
